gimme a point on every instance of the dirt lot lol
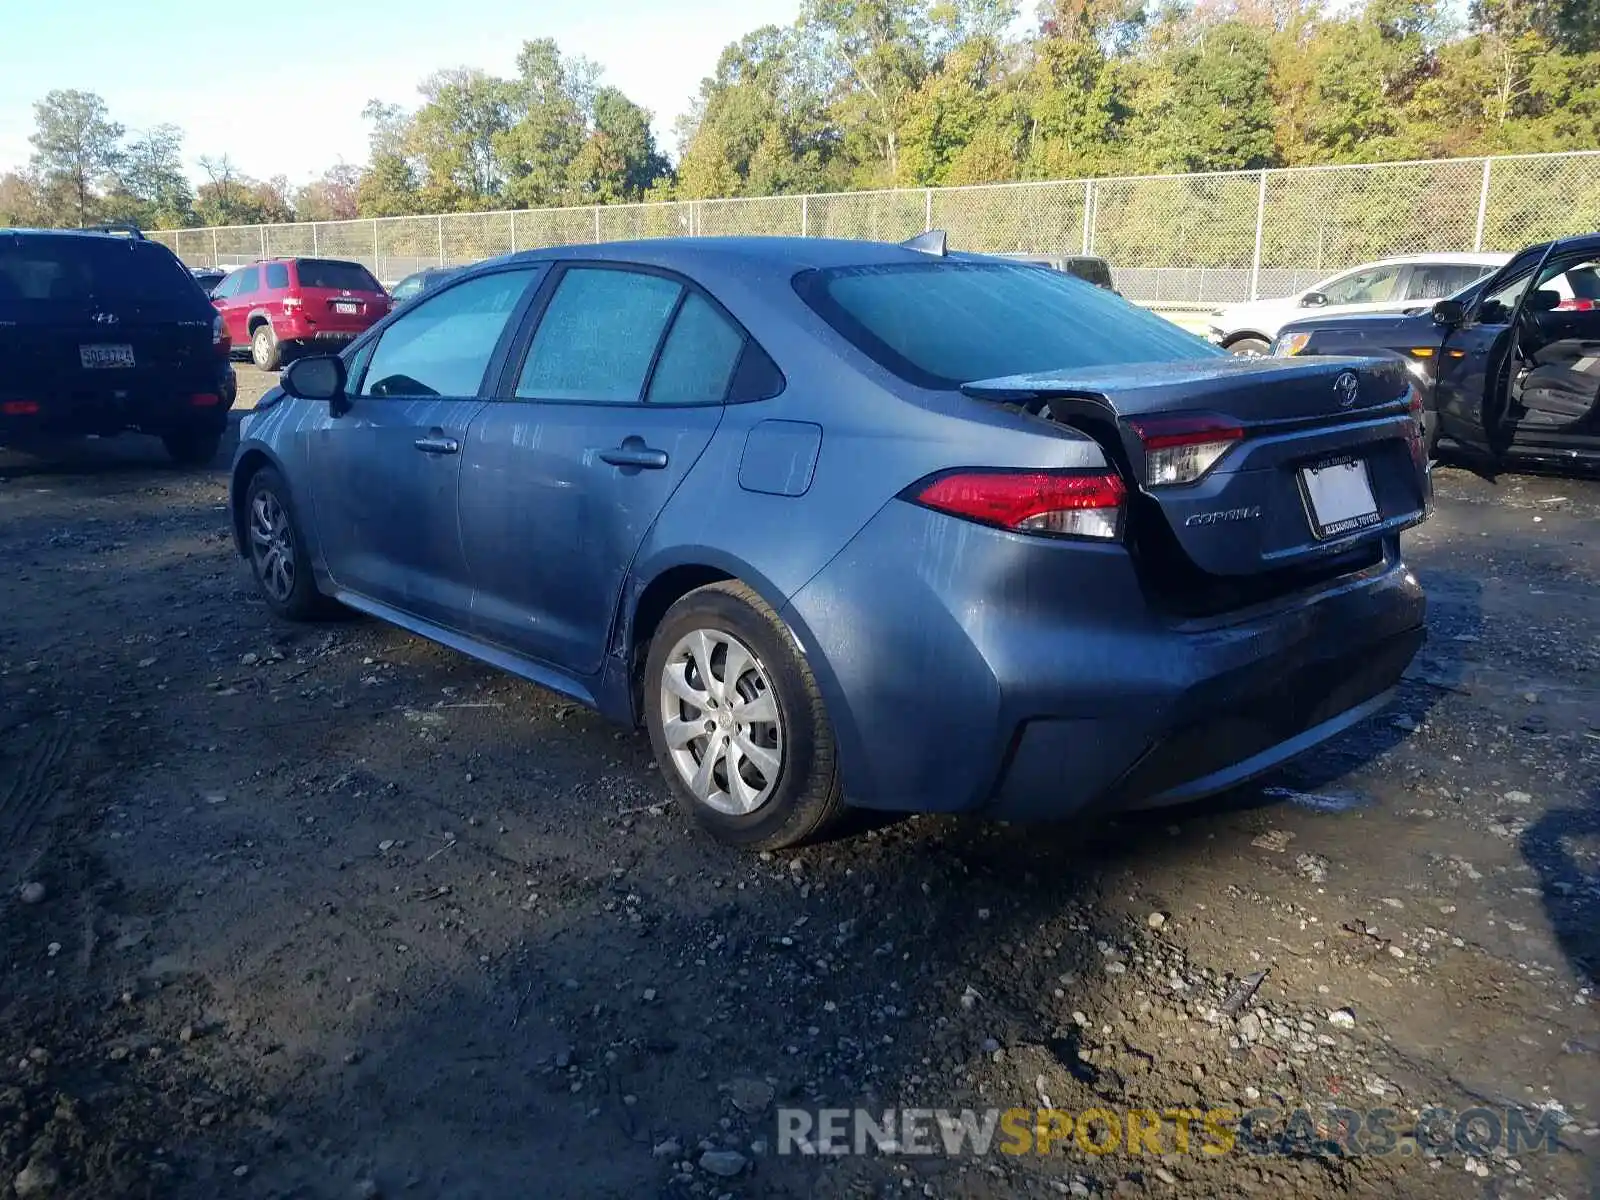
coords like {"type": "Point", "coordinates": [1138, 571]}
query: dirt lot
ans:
{"type": "Point", "coordinates": [330, 912]}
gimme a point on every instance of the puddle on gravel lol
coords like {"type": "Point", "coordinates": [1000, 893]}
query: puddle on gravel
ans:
{"type": "Point", "coordinates": [1329, 802]}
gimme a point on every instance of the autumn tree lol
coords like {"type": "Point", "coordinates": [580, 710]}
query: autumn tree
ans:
{"type": "Point", "coordinates": [77, 148]}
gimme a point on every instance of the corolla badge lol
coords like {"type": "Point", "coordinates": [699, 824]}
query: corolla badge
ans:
{"type": "Point", "coordinates": [1221, 515]}
{"type": "Point", "coordinates": [1348, 388]}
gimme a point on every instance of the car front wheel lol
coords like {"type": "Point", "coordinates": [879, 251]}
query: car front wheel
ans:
{"type": "Point", "coordinates": [278, 556]}
{"type": "Point", "coordinates": [1250, 347]}
{"type": "Point", "coordinates": [737, 723]}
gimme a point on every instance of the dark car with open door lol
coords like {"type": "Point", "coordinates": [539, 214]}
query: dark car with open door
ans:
{"type": "Point", "coordinates": [1510, 366]}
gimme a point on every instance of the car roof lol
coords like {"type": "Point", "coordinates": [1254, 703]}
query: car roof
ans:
{"type": "Point", "coordinates": [104, 234]}
{"type": "Point", "coordinates": [793, 253]}
{"type": "Point", "coordinates": [1491, 258]}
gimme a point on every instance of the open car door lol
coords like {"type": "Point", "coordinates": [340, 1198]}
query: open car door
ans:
{"type": "Point", "coordinates": [1473, 372]}
{"type": "Point", "coordinates": [1552, 394]}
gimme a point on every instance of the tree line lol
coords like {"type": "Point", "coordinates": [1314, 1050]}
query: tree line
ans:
{"type": "Point", "coordinates": [884, 93]}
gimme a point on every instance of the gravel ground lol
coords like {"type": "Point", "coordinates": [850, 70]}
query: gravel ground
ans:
{"type": "Point", "coordinates": [331, 912]}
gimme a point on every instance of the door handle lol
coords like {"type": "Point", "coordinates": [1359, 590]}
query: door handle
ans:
{"type": "Point", "coordinates": [634, 453]}
{"type": "Point", "coordinates": [438, 445]}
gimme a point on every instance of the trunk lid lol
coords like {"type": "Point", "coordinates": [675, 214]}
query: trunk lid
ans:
{"type": "Point", "coordinates": [1322, 455]}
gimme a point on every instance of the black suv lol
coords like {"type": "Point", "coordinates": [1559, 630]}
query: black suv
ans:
{"type": "Point", "coordinates": [102, 331]}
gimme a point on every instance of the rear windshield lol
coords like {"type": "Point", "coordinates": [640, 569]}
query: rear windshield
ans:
{"type": "Point", "coordinates": [75, 268]}
{"type": "Point", "coordinates": [330, 273]}
{"type": "Point", "coordinates": [942, 324]}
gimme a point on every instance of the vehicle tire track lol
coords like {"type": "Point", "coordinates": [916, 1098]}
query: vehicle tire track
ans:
{"type": "Point", "coordinates": [29, 781]}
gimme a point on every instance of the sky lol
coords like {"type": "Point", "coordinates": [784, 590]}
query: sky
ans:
{"type": "Point", "coordinates": [280, 85]}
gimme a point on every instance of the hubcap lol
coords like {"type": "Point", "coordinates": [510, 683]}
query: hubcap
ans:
{"type": "Point", "coordinates": [723, 730]}
{"type": "Point", "coordinates": [263, 347]}
{"type": "Point", "coordinates": [272, 546]}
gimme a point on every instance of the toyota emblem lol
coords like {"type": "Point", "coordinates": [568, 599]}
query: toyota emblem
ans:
{"type": "Point", "coordinates": [1348, 388]}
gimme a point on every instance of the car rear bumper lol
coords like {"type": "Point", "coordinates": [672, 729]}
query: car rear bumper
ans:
{"type": "Point", "coordinates": [150, 404]}
{"type": "Point", "coordinates": [970, 669]}
{"type": "Point", "coordinates": [305, 331]}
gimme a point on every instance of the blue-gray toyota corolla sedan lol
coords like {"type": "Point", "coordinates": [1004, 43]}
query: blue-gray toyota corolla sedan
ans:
{"type": "Point", "coordinates": [845, 523]}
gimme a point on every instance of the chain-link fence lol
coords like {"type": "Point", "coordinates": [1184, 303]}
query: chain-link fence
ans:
{"type": "Point", "coordinates": [1170, 239]}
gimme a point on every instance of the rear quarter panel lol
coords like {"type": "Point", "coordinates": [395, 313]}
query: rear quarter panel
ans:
{"type": "Point", "coordinates": [879, 435]}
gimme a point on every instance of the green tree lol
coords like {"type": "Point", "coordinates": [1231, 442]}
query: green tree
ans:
{"type": "Point", "coordinates": [1217, 113]}
{"type": "Point", "coordinates": [20, 201]}
{"type": "Point", "coordinates": [759, 125]}
{"type": "Point", "coordinates": [550, 105]}
{"type": "Point", "coordinates": [453, 135]}
{"type": "Point", "coordinates": [77, 148]}
{"type": "Point", "coordinates": [619, 161]}
{"type": "Point", "coordinates": [388, 184]}
{"type": "Point", "coordinates": [878, 54]}
{"type": "Point", "coordinates": [151, 174]}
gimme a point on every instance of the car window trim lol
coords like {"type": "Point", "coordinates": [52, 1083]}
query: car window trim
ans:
{"type": "Point", "coordinates": [1504, 274]}
{"type": "Point", "coordinates": [493, 369]}
{"type": "Point", "coordinates": [506, 390]}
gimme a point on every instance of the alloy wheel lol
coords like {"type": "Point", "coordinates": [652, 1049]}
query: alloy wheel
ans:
{"type": "Point", "coordinates": [272, 546]}
{"type": "Point", "coordinates": [721, 722]}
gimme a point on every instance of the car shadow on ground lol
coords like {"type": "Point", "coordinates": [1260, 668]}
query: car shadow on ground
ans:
{"type": "Point", "coordinates": [125, 453]}
{"type": "Point", "coordinates": [1571, 889]}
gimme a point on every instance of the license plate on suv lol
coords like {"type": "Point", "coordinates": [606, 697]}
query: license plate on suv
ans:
{"type": "Point", "coordinates": [1338, 496]}
{"type": "Point", "coordinates": [92, 357]}
{"type": "Point", "coordinates": [346, 306]}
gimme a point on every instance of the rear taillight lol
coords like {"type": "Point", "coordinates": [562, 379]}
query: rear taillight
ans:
{"type": "Point", "coordinates": [221, 342]}
{"type": "Point", "coordinates": [1576, 305]}
{"type": "Point", "coordinates": [1066, 503]}
{"type": "Point", "coordinates": [1182, 449]}
{"type": "Point", "coordinates": [205, 400]}
{"type": "Point", "coordinates": [292, 303]}
{"type": "Point", "coordinates": [20, 408]}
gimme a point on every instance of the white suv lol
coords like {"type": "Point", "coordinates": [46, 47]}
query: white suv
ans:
{"type": "Point", "coordinates": [1388, 285]}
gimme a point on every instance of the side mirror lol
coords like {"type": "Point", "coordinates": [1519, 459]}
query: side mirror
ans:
{"type": "Point", "coordinates": [1449, 312]}
{"type": "Point", "coordinates": [1313, 300]}
{"type": "Point", "coordinates": [318, 378]}
{"type": "Point", "coordinates": [1545, 300]}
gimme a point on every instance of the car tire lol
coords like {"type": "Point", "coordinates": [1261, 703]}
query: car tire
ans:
{"type": "Point", "coordinates": [1250, 347]}
{"type": "Point", "coordinates": [192, 447]}
{"type": "Point", "coordinates": [788, 795]}
{"type": "Point", "coordinates": [277, 550]}
{"type": "Point", "coordinates": [265, 351]}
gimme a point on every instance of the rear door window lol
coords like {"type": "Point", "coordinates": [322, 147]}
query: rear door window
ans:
{"type": "Point", "coordinates": [939, 325]}
{"type": "Point", "coordinates": [442, 345]}
{"type": "Point", "coordinates": [1371, 285]}
{"type": "Point", "coordinates": [249, 282]}
{"type": "Point", "coordinates": [277, 275]}
{"type": "Point", "coordinates": [1434, 281]}
{"type": "Point", "coordinates": [598, 336]}
{"type": "Point", "coordinates": [80, 269]}
{"type": "Point", "coordinates": [698, 359]}
{"type": "Point", "coordinates": [336, 275]}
